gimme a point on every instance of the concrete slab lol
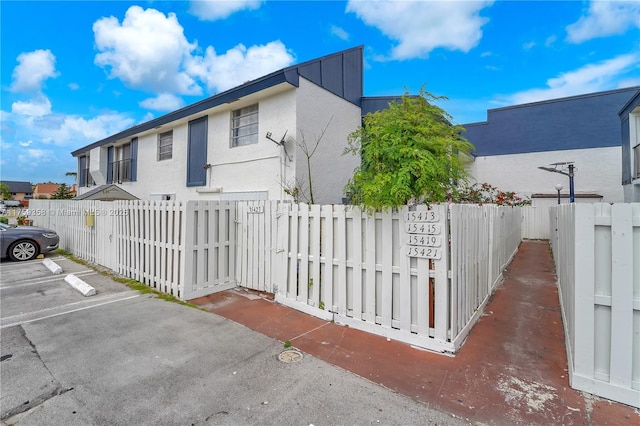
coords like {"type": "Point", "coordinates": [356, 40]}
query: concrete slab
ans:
{"type": "Point", "coordinates": [146, 361]}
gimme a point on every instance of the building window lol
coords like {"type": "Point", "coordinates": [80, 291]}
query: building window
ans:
{"type": "Point", "coordinates": [244, 126]}
{"type": "Point", "coordinates": [165, 145]}
{"type": "Point", "coordinates": [636, 162]}
{"type": "Point", "coordinates": [121, 166]}
{"type": "Point", "coordinates": [84, 177]}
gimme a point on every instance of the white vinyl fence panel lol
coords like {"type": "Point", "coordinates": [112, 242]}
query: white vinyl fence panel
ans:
{"type": "Point", "coordinates": [484, 240]}
{"type": "Point", "coordinates": [597, 254]}
{"type": "Point", "coordinates": [183, 249]}
{"type": "Point", "coordinates": [535, 222]}
{"type": "Point", "coordinates": [355, 267]}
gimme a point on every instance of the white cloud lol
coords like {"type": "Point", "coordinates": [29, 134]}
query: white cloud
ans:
{"type": "Point", "coordinates": [146, 51]}
{"type": "Point", "coordinates": [38, 147]}
{"type": "Point", "coordinates": [422, 26]}
{"type": "Point", "coordinates": [33, 69]}
{"type": "Point", "coordinates": [147, 117]}
{"type": "Point", "coordinates": [149, 51]}
{"type": "Point", "coordinates": [550, 41]}
{"type": "Point", "coordinates": [39, 154]}
{"type": "Point", "coordinates": [73, 130]}
{"type": "Point", "coordinates": [605, 18]}
{"type": "Point", "coordinates": [36, 107]}
{"type": "Point", "coordinates": [239, 64]}
{"type": "Point", "coordinates": [73, 86]}
{"type": "Point", "coordinates": [339, 32]}
{"type": "Point", "coordinates": [163, 102]}
{"type": "Point", "coordinates": [591, 78]}
{"type": "Point", "coordinates": [211, 10]}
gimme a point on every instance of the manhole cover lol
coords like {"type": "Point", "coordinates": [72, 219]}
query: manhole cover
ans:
{"type": "Point", "coordinates": [290, 355]}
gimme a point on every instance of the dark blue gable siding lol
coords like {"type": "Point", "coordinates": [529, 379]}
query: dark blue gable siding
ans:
{"type": "Point", "coordinates": [586, 121]}
{"type": "Point", "coordinates": [340, 73]}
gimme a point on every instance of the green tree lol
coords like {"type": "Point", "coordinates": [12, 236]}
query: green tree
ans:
{"type": "Point", "coordinates": [410, 151]}
{"type": "Point", "coordinates": [62, 193]}
{"type": "Point", "coordinates": [4, 191]}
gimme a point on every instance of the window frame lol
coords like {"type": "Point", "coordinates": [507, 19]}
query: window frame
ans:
{"type": "Point", "coordinates": [122, 164]}
{"type": "Point", "coordinates": [163, 156]}
{"type": "Point", "coordinates": [236, 125]}
{"type": "Point", "coordinates": [85, 179]}
{"type": "Point", "coordinates": [635, 153]}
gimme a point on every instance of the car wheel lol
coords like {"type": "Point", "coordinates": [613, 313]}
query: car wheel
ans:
{"type": "Point", "coordinates": [23, 250]}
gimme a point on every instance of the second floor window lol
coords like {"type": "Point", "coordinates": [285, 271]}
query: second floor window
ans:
{"type": "Point", "coordinates": [165, 145]}
{"type": "Point", "coordinates": [121, 166]}
{"type": "Point", "coordinates": [244, 126]}
{"type": "Point", "coordinates": [84, 177]}
{"type": "Point", "coordinates": [636, 162]}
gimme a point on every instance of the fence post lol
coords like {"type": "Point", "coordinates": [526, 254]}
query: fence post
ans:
{"type": "Point", "coordinates": [442, 283]}
{"type": "Point", "coordinates": [622, 254]}
{"type": "Point", "coordinates": [187, 253]}
{"type": "Point", "coordinates": [583, 264]}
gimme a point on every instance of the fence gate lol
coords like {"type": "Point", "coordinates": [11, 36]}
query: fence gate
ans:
{"type": "Point", "coordinates": [262, 234]}
{"type": "Point", "coordinates": [209, 248]}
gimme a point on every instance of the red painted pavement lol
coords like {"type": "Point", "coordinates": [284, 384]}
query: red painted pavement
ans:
{"type": "Point", "coordinates": [511, 370]}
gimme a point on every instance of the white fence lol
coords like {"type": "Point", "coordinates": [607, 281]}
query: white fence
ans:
{"type": "Point", "coordinates": [359, 269]}
{"type": "Point", "coordinates": [420, 276]}
{"type": "Point", "coordinates": [535, 222]}
{"type": "Point", "coordinates": [183, 249]}
{"type": "Point", "coordinates": [597, 253]}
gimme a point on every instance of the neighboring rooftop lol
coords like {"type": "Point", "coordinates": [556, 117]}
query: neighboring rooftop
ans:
{"type": "Point", "coordinates": [18, 187]}
{"type": "Point", "coordinates": [576, 122]}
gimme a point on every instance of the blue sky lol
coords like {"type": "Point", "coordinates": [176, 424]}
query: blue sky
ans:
{"type": "Point", "coordinates": [75, 72]}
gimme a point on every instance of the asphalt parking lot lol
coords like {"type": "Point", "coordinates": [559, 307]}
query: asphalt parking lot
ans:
{"type": "Point", "coordinates": [120, 357]}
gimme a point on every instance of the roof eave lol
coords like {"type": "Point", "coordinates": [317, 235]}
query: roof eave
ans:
{"type": "Point", "coordinates": [286, 75]}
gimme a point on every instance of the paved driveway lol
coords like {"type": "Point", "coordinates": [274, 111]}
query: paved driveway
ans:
{"type": "Point", "coordinates": [123, 358]}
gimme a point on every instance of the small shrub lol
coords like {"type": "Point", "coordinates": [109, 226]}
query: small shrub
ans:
{"type": "Point", "coordinates": [4, 220]}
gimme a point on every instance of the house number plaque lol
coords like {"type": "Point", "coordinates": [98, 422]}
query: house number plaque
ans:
{"type": "Point", "coordinates": [423, 235]}
{"type": "Point", "coordinates": [255, 209]}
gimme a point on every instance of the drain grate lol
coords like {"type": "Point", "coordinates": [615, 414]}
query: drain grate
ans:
{"type": "Point", "coordinates": [290, 356]}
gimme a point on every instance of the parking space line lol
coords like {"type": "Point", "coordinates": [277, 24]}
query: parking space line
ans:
{"type": "Point", "coordinates": [28, 282]}
{"type": "Point", "coordinates": [29, 316]}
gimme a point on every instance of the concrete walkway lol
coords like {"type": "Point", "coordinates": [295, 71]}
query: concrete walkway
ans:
{"type": "Point", "coordinates": [511, 370]}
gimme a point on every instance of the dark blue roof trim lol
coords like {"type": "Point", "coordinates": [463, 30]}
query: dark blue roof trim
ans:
{"type": "Point", "coordinates": [371, 104]}
{"type": "Point", "coordinates": [340, 73]}
{"type": "Point", "coordinates": [577, 122]}
{"type": "Point", "coordinates": [631, 105]}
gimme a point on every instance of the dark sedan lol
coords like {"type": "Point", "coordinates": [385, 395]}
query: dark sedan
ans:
{"type": "Point", "coordinates": [26, 242]}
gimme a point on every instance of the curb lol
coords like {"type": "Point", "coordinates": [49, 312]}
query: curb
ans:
{"type": "Point", "coordinates": [80, 285]}
{"type": "Point", "coordinates": [52, 266]}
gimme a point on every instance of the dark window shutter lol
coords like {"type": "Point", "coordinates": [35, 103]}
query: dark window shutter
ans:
{"type": "Point", "coordinates": [134, 159]}
{"type": "Point", "coordinates": [197, 152]}
{"type": "Point", "coordinates": [110, 164]}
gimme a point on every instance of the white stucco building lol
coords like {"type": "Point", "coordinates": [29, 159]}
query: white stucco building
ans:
{"type": "Point", "coordinates": [232, 146]}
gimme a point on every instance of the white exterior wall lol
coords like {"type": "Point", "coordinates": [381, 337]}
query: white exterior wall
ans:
{"type": "Point", "coordinates": [259, 167]}
{"type": "Point", "coordinates": [598, 172]}
{"type": "Point", "coordinates": [330, 170]}
{"type": "Point", "coordinates": [632, 190]}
